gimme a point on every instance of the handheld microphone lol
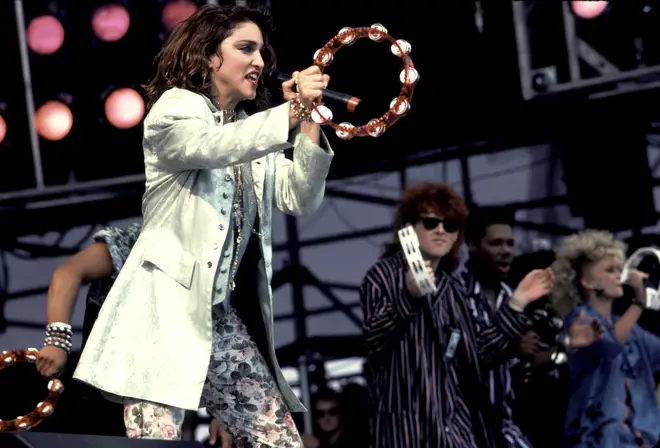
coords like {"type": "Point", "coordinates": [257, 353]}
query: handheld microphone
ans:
{"type": "Point", "coordinates": [349, 101]}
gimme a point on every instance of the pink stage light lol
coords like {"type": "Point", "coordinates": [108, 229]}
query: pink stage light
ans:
{"type": "Point", "coordinates": [45, 35]}
{"type": "Point", "coordinates": [3, 129]}
{"type": "Point", "coordinates": [124, 108]}
{"type": "Point", "coordinates": [111, 22]}
{"type": "Point", "coordinates": [53, 120]}
{"type": "Point", "coordinates": [587, 9]}
{"type": "Point", "coordinates": [176, 11]}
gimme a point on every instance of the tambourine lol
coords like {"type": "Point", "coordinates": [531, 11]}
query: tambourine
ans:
{"type": "Point", "coordinates": [43, 409]}
{"type": "Point", "coordinates": [410, 245]}
{"type": "Point", "coordinates": [399, 106]}
{"type": "Point", "coordinates": [652, 294]}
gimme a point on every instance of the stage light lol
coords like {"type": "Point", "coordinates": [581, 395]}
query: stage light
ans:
{"type": "Point", "coordinates": [175, 12]}
{"type": "Point", "coordinates": [588, 9]}
{"type": "Point", "coordinates": [53, 120]}
{"type": "Point", "coordinates": [45, 35]}
{"type": "Point", "coordinates": [111, 22]}
{"type": "Point", "coordinates": [124, 108]}
{"type": "Point", "coordinates": [3, 129]}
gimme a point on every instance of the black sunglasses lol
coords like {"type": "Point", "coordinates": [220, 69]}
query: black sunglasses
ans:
{"type": "Point", "coordinates": [320, 413]}
{"type": "Point", "coordinates": [431, 222]}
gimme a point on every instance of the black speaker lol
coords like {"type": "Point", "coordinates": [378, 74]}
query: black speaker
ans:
{"type": "Point", "coordinates": [48, 440]}
{"type": "Point", "coordinates": [603, 151]}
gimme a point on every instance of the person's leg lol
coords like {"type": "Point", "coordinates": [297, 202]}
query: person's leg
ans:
{"type": "Point", "coordinates": [241, 393]}
{"type": "Point", "coordinates": [147, 420]}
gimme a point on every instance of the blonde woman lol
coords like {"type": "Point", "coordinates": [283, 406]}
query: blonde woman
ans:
{"type": "Point", "coordinates": [612, 400]}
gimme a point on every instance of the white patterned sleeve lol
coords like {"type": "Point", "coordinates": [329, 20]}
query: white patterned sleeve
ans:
{"type": "Point", "coordinates": [119, 241]}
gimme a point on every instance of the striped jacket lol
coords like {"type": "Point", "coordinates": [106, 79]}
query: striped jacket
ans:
{"type": "Point", "coordinates": [424, 394]}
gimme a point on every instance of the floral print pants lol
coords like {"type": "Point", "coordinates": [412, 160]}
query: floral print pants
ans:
{"type": "Point", "coordinates": [239, 392]}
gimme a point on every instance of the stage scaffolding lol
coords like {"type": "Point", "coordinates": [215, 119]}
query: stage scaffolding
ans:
{"type": "Point", "coordinates": [61, 208]}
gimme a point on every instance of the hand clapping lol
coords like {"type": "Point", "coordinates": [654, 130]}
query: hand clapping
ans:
{"type": "Point", "coordinates": [535, 285]}
{"type": "Point", "coordinates": [584, 331]}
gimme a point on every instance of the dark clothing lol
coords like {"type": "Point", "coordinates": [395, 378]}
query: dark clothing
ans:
{"type": "Point", "coordinates": [498, 377]}
{"type": "Point", "coordinates": [546, 384]}
{"type": "Point", "coordinates": [422, 394]}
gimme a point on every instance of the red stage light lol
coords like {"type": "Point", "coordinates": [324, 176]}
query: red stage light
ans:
{"type": "Point", "coordinates": [45, 35]}
{"type": "Point", "coordinates": [176, 12]}
{"type": "Point", "coordinates": [588, 9]}
{"type": "Point", "coordinates": [111, 22]}
{"type": "Point", "coordinates": [3, 129]}
{"type": "Point", "coordinates": [124, 108]}
{"type": "Point", "coordinates": [53, 120]}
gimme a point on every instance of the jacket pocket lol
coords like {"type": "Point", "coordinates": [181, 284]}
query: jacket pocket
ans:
{"type": "Point", "coordinates": [166, 253]}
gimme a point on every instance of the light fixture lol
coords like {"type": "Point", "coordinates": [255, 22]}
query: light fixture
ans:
{"type": "Point", "coordinates": [175, 12]}
{"type": "Point", "coordinates": [45, 34]}
{"type": "Point", "coordinates": [53, 120]}
{"type": "Point", "coordinates": [589, 9]}
{"type": "Point", "coordinates": [124, 108]}
{"type": "Point", "coordinates": [111, 22]}
{"type": "Point", "coordinates": [3, 129]}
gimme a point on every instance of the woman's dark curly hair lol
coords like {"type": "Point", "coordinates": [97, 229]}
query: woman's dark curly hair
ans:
{"type": "Point", "coordinates": [431, 197]}
{"type": "Point", "coordinates": [184, 59]}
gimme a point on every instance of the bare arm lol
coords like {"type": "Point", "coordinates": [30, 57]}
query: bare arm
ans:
{"type": "Point", "coordinates": [627, 322]}
{"type": "Point", "coordinates": [93, 263]}
{"type": "Point", "coordinates": [624, 326]}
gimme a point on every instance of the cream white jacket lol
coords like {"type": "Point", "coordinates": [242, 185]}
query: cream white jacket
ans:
{"type": "Point", "coordinates": [152, 339]}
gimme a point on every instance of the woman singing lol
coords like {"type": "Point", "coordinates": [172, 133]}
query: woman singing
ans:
{"type": "Point", "coordinates": [612, 398]}
{"type": "Point", "coordinates": [169, 336]}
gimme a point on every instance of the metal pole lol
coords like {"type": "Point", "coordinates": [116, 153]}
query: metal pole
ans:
{"type": "Point", "coordinates": [29, 96]}
{"type": "Point", "coordinates": [403, 178]}
{"type": "Point", "coordinates": [571, 42]}
{"type": "Point", "coordinates": [301, 317]}
{"type": "Point", "coordinates": [523, 48]}
{"type": "Point", "coordinates": [465, 178]}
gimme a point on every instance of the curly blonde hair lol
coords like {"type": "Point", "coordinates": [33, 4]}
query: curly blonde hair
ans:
{"type": "Point", "coordinates": [575, 252]}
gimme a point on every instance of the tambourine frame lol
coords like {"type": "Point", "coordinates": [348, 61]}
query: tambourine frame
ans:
{"type": "Point", "coordinates": [44, 408]}
{"type": "Point", "coordinates": [652, 295]}
{"type": "Point", "coordinates": [400, 105]}
{"type": "Point", "coordinates": [410, 246]}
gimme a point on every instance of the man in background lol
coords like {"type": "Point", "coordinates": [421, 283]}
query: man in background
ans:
{"type": "Point", "coordinates": [491, 245]}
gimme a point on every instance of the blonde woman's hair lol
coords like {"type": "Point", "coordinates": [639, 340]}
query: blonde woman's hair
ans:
{"type": "Point", "coordinates": [573, 255]}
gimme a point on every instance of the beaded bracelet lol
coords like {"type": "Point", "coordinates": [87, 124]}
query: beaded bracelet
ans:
{"type": "Point", "coordinates": [300, 111]}
{"type": "Point", "coordinates": [59, 334]}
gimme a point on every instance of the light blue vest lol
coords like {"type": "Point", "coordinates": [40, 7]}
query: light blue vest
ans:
{"type": "Point", "coordinates": [224, 274]}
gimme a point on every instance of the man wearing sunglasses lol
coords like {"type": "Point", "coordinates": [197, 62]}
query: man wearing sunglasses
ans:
{"type": "Point", "coordinates": [490, 241]}
{"type": "Point", "coordinates": [424, 352]}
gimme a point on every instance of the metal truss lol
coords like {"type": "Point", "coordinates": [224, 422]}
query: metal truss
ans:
{"type": "Point", "coordinates": [96, 203]}
{"type": "Point", "coordinates": [543, 82]}
{"type": "Point", "coordinates": [53, 208]}
{"type": "Point", "coordinates": [45, 209]}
